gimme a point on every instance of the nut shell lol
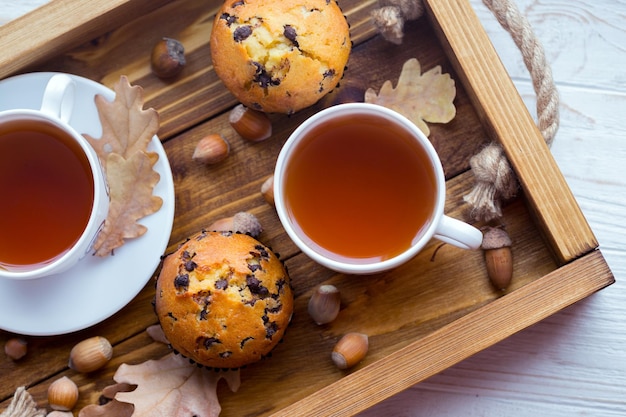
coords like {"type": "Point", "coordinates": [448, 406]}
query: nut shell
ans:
{"type": "Point", "coordinates": [250, 124]}
{"type": "Point", "coordinates": [16, 348]}
{"type": "Point", "coordinates": [211, 149]}
{"type": "Point", "coordinates": [267, 190]}
{"type": "Point", "coordinates": [168, 58]}
{"type": "Point", "coordinates": [350, 350]}
{"type": "Point", "coordinates": [242, 222]}
{"type": "Point", "coordinates": [90, 354]}
{"type": "Point", "coordinates": [324, 304]}
{"type": "Point", "coordinates": [499, 264]}
{"type": "Point", "coordinates": [62, 394]}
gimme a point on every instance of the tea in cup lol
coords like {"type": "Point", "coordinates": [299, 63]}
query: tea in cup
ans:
{"type": "Point", "coordinates": [360, 189]}
{"type": "Point", "coordinates": [54, 194]}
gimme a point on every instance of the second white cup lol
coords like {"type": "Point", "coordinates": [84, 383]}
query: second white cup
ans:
{"type": "Point", "coordinates": [360, 189]}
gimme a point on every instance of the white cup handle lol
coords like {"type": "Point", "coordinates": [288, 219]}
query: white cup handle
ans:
{"type": "Point", "coordinates": [58, 97]}
{"type": "Point", "coordinates": [458, 233]}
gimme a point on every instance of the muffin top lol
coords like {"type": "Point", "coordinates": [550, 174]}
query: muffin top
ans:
{"type": "Point", "coordinates": [280, 55]}
{"type": "Point", "coordinates": [223, 299]}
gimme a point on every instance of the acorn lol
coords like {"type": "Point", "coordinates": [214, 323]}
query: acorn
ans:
{"type": "Point", "coordinates": [350, 350]}
{"type": "Point", "coordinates": [498, 257]}
{"type": "Point", "coordinates": [62, 394]}
{"type": "Point", "coordinates": [168, 58]}
{"type": "Point", "coordinates": [324, 304]}
{"type": "Point", "coordinates": [90, 354]}
{"type": "Point", "coordinates": [250, 124]}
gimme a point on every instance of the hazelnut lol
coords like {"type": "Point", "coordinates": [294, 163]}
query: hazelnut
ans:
{"type": "Point", "coordinates": [62, 394]}
{"type": "Point", "coordinates": [168, 58]}
{"type": "Point", "coordinates": [324, 304]}
{"type": "Point", "coordinates": [90, 354]}
{"type": "Point", "coordinates": [16, 348]}
{"type": "Point", "coordinates": [211, 149]}
{"type": "Point", "coordinates": [250, 124]}
{"type": "Point", "coordinates": [267, 190]}
{"type": "Point", "coordinates": [242, 222]}
{"type": "Point", "coordinates": [350, 350]}
{"type": "Point", "coordinates": [498, 258]}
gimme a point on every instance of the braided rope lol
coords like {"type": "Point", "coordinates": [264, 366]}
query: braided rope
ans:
{"type": "Point", "coordinates": [23, 405]}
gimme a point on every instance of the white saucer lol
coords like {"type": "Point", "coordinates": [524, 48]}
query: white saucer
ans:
{"type": "Point", "coordinates": [96, 288]}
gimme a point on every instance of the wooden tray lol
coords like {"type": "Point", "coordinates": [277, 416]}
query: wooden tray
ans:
{"type": "Point", "coordinates": [421, 318]}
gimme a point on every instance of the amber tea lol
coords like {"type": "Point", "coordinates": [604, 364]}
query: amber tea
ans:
{"type": "Point", "coordinates": [360, 188]}
{"type": "Point", "coordinates": [46, 191]}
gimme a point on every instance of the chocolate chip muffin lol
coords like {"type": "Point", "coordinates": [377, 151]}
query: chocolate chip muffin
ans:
{"type": "Point", "coordinates": [280, 55]}
{"type": "Point", "coordinates": [223, 299]}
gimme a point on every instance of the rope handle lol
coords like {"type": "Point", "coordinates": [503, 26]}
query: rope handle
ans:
{"type": "Point", "coordinates": [495, 179]}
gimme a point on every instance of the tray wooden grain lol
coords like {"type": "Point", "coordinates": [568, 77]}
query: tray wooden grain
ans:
{"type": "Point", "coordinates": [422, 317]}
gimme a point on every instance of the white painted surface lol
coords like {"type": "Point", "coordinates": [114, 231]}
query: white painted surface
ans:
{"type": "Point", "coordinates": [574, 362]}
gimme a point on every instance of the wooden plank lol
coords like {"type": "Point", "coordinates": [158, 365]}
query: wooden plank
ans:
{"type": "Point", "coordinates": [507, 119]}
{"type": "Point", "coordinates": [459, 340]}
{"type": "Point", "coordinates": [60, 25]}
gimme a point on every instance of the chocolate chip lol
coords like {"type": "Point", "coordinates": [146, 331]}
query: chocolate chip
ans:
{"type": "Point", "coordinates": [190, 265]}
{"type": "Point", "coordinates": [254, 267]}
{"type": "Point", "coordinates": [270, 329]}
{"type": "Point", "coordinates": [263, 78]}
{"type": "Point", "coordinates": [280, 285]}
{"type": "Point", "coordinates": [291, 34]}
{"type": "Point", "coordinates": [230, 19]}
{"type": "Point", "coordinates": [274, 309]}
{"type": "Point", "coordinates": [239, 3]}
{"type": "Point", "coordinates": [221, 284]}
{"type": "Point", "coordinates": [181, 282]}
{"type": "Point", "coordinates": [255, 286]}
{"type": "Point", "coordinates": [262, 251]}
{"type": "Point", "coordinates": [241, 33]}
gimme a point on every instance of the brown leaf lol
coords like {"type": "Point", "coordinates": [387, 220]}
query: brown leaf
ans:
{"type": "Point", "coordinates": [173, 387]}
{"type": "Point", "coordinates": [131, 182]}
{"type": "Point", "coordinates": [126, 127]}
{"type": "Point", "coordinates": [420, 97]}
{"type": "Point", "coordinates": [111, 409]}
{"type": "Point", "coordinates": [127, 130]}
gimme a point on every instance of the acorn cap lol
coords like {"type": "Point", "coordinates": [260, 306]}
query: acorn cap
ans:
{"type": "Point", "coordinates": [495, 238]}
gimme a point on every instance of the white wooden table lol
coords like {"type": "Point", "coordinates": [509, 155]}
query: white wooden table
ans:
{"type": "Point", "coordinates": [573, 363]}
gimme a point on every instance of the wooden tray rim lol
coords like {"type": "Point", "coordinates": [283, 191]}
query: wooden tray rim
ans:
{"type": "Point", "coordinates": [505, 116]}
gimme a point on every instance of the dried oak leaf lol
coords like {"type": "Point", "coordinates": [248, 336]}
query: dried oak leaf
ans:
{"type": "Point", "coordinates": [131, 182]}
{"type": "Point", "coordinates": [108, 407]}
{"type": "Point", "coordinates": [420, 97]}
{"type": "Point", "coordinates": [127, 130]}
{"type": "Point", "coordinates": [112, 408]}
{"type": "Point", "coordinates": [126, 127]}
{"type": "Point", "coordinates": [173, 387]}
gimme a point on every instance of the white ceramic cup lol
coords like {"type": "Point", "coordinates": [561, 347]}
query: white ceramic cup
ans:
{"type": "Point", "coordinates": [440, 226]}
{"type": "Point", "coordinates": [56, 111]}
